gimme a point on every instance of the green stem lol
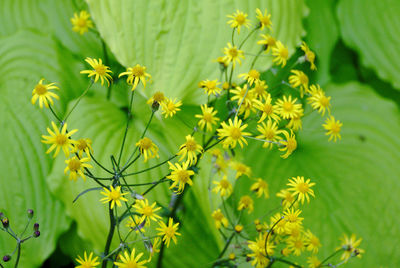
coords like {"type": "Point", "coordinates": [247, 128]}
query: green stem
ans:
{"type": "Point", "coordinates": [18, 254]}
{"type": "Point", "coordinates": [150, 168]}
{"type": "Point", "coordinates": [127, 127]}
{"type": "Point", "coordinates": [79, 99]}
{"type": "Point", "coordinates": [247, 37]}
{"type": "Point", "coordinates": [54, 113]}
{"type": "Point", "coordinates": [109, 236]}
{"type": "Point", "coordinates": [330, 256]}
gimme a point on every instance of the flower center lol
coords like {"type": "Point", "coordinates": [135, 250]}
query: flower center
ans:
{"type": "Point", "coordinates": [171, 106]}
{"type": "Point", "coordinates": [269, 134]}
{"type": "Point", "coordinates": [211, 84]}
{"type": "Point", "coordinates": [147, 211]}
{"type": "Point", "coordinates": [271, 41]}
{"type": "Point", "coordinates": [115, 195]}
{"type": "Point", "coordinates": [40, 89]}
{"type": "Point", "coordinates": [287, 106]}
{"type": "Point", "coordinates": [158, 97]}
{"type": "Point", "coordinates": [224, 184]}
{"type": "Point", "coordinates": [81, 144]}
{"type": "Point", "coordinates": [138, 71]}
{"type": "Point", "coordinates": [291, 144]}
{"type": "Point", "coordinates": [183, 176]}
{"type": "Point", "coordinates": [302, 187]}
{"type": "Point", "coordinates": [191, 145]}
{"type": "Point", "coordinates": [233, 52]}
{"type": "Point", "coordinates": [61, 139]}
{"type": "Point", "coordinates": [74, 165]}
{"type": "Point", "coordinates": [303, 79]}
{"type": "Point", "coordinates": [268, 109]}
{"type": "Point", "coordinates": [145, 143]}
{"type": "Point", "coordinates": [207, 117]}
{"type": "Point", "coordinates": [240, 19]}
{"type": "Point", "coordinates": [100, 69]}
{"type": "Point", "coordinates": [81, 23]}
{"type": "Point", "coordinates": [169, 232]}
{"type": "Point", "coordinates": [235, 133]}
{"type": "Point", "coordinates": [265, 21]}
{"type": "Point", "coordinates": [335, 128]}
{"type": "Point", "coordinates": [292, 218]}
{"type": "Point", "coordinates": [254, 74]}
{"type": "Point", "coordinates": [324, 101]}
{"type": "Point", "coordinates": [298, 244]}
{"type": "Point", "coordinates": [218, 216]}
{"type": "Point", "coordinates": [284, 53]}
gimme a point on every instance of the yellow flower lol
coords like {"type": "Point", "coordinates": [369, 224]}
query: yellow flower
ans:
{"type": "Point", "coordinates": [59, 140]}
{"type": "Point", "coordinates": [223, 186]}
{"type": "Point", "coordinates": [301, 188]}
{"type": "Point", "coordinates": [241, 169]}
{"type": "Point", "coordinates": [233, 54]}
{"type": "Point", "coordinates": [148, 212]}
{"type": "Point", "coordinates": [292, 218]}
{"type": "Point", "coordinates": [81, 23]}
{"type": "Point", "coordinates": [170, 107]}
{"type": "Point", "coordinates": [296, 244]}
{"type": "Point", "coordinates": [222, 63]}
{"type": "Point", "coordinates": [312, 242]}
{"type": "Point", "coordinates": [313, 262]}
{"type": "Point", "coordinates": [251, 77]}
{"type": "Point", "coordinates": [289, 144]}
{"type": "Point", "coordinates": [287, 198]}
{"type": "Point", "coordinates": [281, 54]}
{"type": "Point", "coordinates": [350, 247]}
{"type": "Point", "coordinates": [260, 187]}
{"type": "Point", "coordinates": [114, 196]}
{"type": "Point", "coordinates": [260, 90]}
{"type": "Point", "coordinates": [269, 133]}
{"type": "Point", "coordinates": [238, 19]}
{"type": "Point", "coordinates": [309, 55]}
{"type": "Point", "coordinates": [298, 78]}
{"type": "Point", "coordinates": [87, 262]}
{"type": "Point", "coordinates": [318, 100]}
{"type": "Point", "coordinates": [265, 19]}
{"type": "Point", "coordinates": [208, 118]}
{"type": "Point", "coordinates": [243, 95]}
{"type": "Point", "coordinates": [210, 87]}
{"type": "Point", "coordinates": [238, 228]}
{"type": "Point", "coordinates": [99, 71]}
{"type": "Point", "coordinates": [180, 175]}
{"type": "Point", "coordinates": [279, 222]}
{"type": "Point", "coordinates": [43, 93]}
{"type": "Point", "coordinates": [168, 231]}
{"type": "Point", "coordinates": [190, 149]}
{"type": "Point", "coordinates": [268, 110]}
{"type": "Point", "coordinates": [288, 108]}
{"type": "Point", "coordinates": [268, 42]}
{"type": "Point", "coordinates": [219, 218]}
{"type": "Point", "coordinates": [130, 261]}
{"type": "Point", "coordinates": [258, 250]}
{"type": "Point", "coordinates": [333, 128]}
{"type": "Point", "coordinates": [83, 145]}
{"type": "Point", "coordinates": [233, 133]}
{"type": "Point", "coordinates": [147, 148]}
{"type": "Point", "coordinates": [154, 248]}
{"type": "Point", "coordinates": [135, 75]}
{"type": "Point", "coordinates": [137, 223]}
{"type": "Point", "coordinates": [295, 123]}
{"type": "Point", "coordinates": [76, 167]}
{"type": "Point", "coordinates": [246, 202]}
{"type": "Point", "coordinates": [158, 97]}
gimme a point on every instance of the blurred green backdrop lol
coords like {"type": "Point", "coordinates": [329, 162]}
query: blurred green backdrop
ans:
{"type": "Point", "coordinates": [356, 42]}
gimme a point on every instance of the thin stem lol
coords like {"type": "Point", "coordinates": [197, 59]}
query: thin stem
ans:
{"type": "Point", "coordinates": [228, 242]}
{"type": "Point", "coordinates": [266, 238]}
{"type": "Point", "coordinates": [147, 183]}
{"type": "Point", "coordinates": [255, 59]}
{"type": "Point", "coordinates": [18, 254]}
{"type": "Point", "coordinates": [241, 101]}
{"type": "Point", "coordinates": [109, 236]}
{"type": "Point", "coordinates": [26, 227]}
{"type": "Point", "coordinates": [287, 262]}
{"type": "Point", "coordinates": [100, 165]}
{"type": "Point", "coordinates": [330, 256]}
{"type": "Point", "coordinates": [154, 185]}
{"type": "Point", "coordinates": [127, 127]}
{"type": "Point", "coordinates": [233, 35]}
{"type": "Point", "coordinates": [79, 99]}
{"type": "Point", "coordinates": [247, 37]}
{"type": "Point", "coordinates": [54, 113]}
{"type": "Point", "coordinates": [150, 168]}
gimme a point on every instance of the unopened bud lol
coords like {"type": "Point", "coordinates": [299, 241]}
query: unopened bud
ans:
{"type": "Point", "coordinates": [238, 228]}
{"type": "Point", "coordinates": [36, 226]}
{"type": "Point", "coordinates": [5, 222]}
{"type": "Point", "coordinates": [155, 106]}
{"type": "Point", "coordinates": [6, 258]}
{"type": "Point", "coordinates": [36, 234]}
{"type": "Point", "coordinates": [30, 213]}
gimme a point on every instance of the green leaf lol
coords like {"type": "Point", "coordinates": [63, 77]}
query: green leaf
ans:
{"type": "Point", "coordinates": [356, 178]}
{"type": "Point", "coordinates": [322, 34]}
{"type": "Point", "coordinates": [25, 58]}
{"type": "Point", "coordinates": [178, 40]}
{"type": "Point", "coordinates": [374, 34]}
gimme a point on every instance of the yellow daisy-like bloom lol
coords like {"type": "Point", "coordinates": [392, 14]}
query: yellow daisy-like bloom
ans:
{"type": "Point", "coordinates": [170, 107]}
{"type": "Point", "coordinates": [246, 202]}
{"type": "Point", "coordinates": [260, 90]}
{"type": "Point", "coordinates": [154, 248]}
{"type": "Point", "coordinates": [241, 169]}
{"type": "Point", "coordinates": [43, 93]}
{"type": "Point", "coordinates": [265, 19]}
{"type": "Point", "coordinates": [269, 133]}
{"type": "Point", "coordinates": [210, 87]}
{"type": "Point", "coordinates": [289, 144]}
{"type": "Point", "coordinates": [168, 231]}
{"type": "Point", "coordinates": [267, 41]}
{"type": "Point", "coordinates": [59, 139]}
{"type": "Point", "coordinates": [147, 148]}
{"type": "Point", "coordinates": [135, 75]}
{"type": "Point", "coordinates": [309, 55]}
{"type": "Point", "coordinates": [130, 261]}
{"type": "Point", "coordinates": [296, 123]}
{"type": "Point", "coordinates": [268, 110]}
{"type": "Point", "coordinates": [292, 218]}
{"type": "Point", "coordinates": [83, 145]}
{"type": "Point", "coordinates": [287, 198]}
{"type": "Point", "coordinates": [251, 77]}
{"type": "Point", "coordinates": [190, 149]}
{"type": "Point", "coordinates": [333, 128]}
{"type": "Point", "coordinates": [240, 95]}
{"type": "Point", "coordinates": [233, 54]}
{"type": "Point", "coordinates": [312, 242]}
{"type": "Point", "coordinates": [148, 212]}
{"type": "Point", "coordinates": [222, 63]}
{"type": "Point", "coordinates": [158, 97]}
{"type": "Point", "coordinates": [233, 133]}
{"type": "Point", "coordinates": [281, 54]}
{"type": "Point", "coordinates": [238, 19]}
{"type": "Point", "coordinates": [279, 222]}
{"type": "Point", "coordinates": [99, 71]}
{"type": "Point", "coordinates": [260, 187]}
{"type": "Point", "coordinates": [76, 167]}
{"type": "Point", "coordinates": [136, 223]}
{"type": "Point", "coordinates": [87, 262]}
{"type": "Point", "coordinates": [219, 218]}
{"type": "Point", "coordinates": [299, 79]}
{"type": "Point", "coordinates": [318, 100]}
{"type": "Point", "coordinates": [208, 118]}
{"type": "Point", "coordinates": [301, 188]}
{"type": "Point", "coordinates": [114, 196]}
{"type": "Point", "coordinates": [296, 244]}
{"type": "Point", "coordinates": [180, 175]}
{"type": "Point", "coordinates": [258, 254]}
{"type": "Point", "coordinates": [350, 247]}
{"type": "Point", "coordinates": [288, 108]}
{"type": "Point", "coordinates": [81, 23]}
{"type": "Point", "coordinates": [313, 262]}
{"type": "Point", "coordinates": [223, 186]}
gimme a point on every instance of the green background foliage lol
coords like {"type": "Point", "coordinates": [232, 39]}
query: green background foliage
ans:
{"type": "Point", "coordinates": [357, 57]}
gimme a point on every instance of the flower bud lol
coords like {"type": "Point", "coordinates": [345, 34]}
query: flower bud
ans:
{"type": "Point", "coordinates": [238, 228]}
{"type": "Point", "coordinates": [155, 106]}
{"type": "Point", "coordinates": [5, 222]}
{"type": "Point", "coordinates": [36, 234]}
{"type": "Point", "coordinates": [6, 258]}
{"type": "Point", "coordinates": [30, 213]}
{"type": "Point", "coordinates": [36, 226]}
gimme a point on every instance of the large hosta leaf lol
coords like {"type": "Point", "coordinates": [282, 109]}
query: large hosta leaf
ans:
{"type": "Point", "coordinates": [357, 186]}
{"type": "Point", "coordinates": [177, 40]}
{"type": "Point", "coordinates": [374, 34]}
{"type": "Point", "coordinates": [26, 57]}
